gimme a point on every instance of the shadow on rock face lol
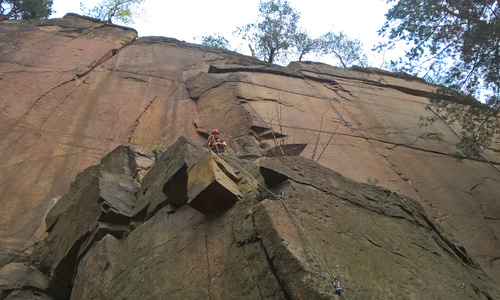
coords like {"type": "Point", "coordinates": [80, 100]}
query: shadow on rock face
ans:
{"type": "Point", "coordinates": [198, 226]}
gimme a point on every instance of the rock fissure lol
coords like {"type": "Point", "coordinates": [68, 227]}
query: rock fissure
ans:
{"type": "Point", "coordinates": [59, 105]}
{"type": "Point", "coordinates": [173, 80]}
{"type": "Point", "coordinates": [339, 95]}
{"type": "Point", "coordinates": [409, 146]}
{"type": "Point", "coordinates": [209, 275]}
{"type": "Point", "coordinates": [270, 263]}
{"type": "Point", "coordinates": [138, 120]}
{"type": "Point", "coordinates": [387, 97]}
{"type": "Point", "coordinates": [249, 266]}
{"type": "Point", "coordinates": [268, 87]}
{"type": "Point", "coordinates": [406, 90]}
{"type": "Point", "coordinates": [33, 69]}
{"type": "Point", "coordinates": [44, 95]}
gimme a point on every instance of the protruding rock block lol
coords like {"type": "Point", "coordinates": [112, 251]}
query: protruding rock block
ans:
{"type": "Point", "coordinates": [301, 272]}
{"type": "Point", "coordinates": [95, 270]}
{"type": "Point", "coordinates": [99, 203]}
{"type": "Point", "coordinates": [166, 182]}
{"type": "Point", "coordinates": [212, 185]}
{"type": "Point", "coordinates": [286, 150]}
{"type": "Point", "coordinates": [18, 278]}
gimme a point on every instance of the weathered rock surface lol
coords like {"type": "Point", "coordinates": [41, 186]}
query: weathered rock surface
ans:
{"type": "Point", "coordinates": [323, 227]}
{"type": "Point", "coordinates": [95, 269]}
{"type": "Point", "coordinates": [212, 185]}
{"type": "Point", "coordinates": [73, 89]}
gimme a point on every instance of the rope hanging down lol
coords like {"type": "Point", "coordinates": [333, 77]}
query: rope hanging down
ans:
{"type": "Point", "coordinates": [279, 197]}
{"type": "Point", "coordinates": [460, 137]}
{"type": "Point", "coordinates": [335, 282]}
{"type": "Point", "coordinates": [346, 123]}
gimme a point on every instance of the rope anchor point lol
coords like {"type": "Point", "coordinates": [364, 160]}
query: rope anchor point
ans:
{"type": "Point", "coordinates": [336, 284]}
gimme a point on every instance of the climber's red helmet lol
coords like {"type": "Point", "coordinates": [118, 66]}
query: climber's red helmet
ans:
{"type": "Point", "coordinates": [215, 131]}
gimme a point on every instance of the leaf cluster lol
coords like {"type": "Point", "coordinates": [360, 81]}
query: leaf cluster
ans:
{"type": "Point", "coordinates": [274, 32]}
{"type": "Point", "coordinates": [216, 41]}
{"type": "Point", "coordinates": [348, 51]}
{"type": "Point", "coordinates": [454, 43]}
{"type": "Point", "coordinates": [114, 11]}
{"type": "Point", "coordinates": [276, 37]}
{"type": "Point", "coordinates": [25, 9]}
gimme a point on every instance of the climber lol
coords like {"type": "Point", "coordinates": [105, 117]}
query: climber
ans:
{"type": "Point", "coordinates": [213, 142]}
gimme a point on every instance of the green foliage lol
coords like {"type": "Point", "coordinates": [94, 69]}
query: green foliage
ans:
{"type": "Point", "coordinates": [25, 9]}
{"type": "Point", "coordinates": [276, 36]}
{"type": "Point", "coordinates": [478, 122]}
{"type": "Point", "coordinates": [274, 31]}
{"type": "Point", "coordinates": [372, 181]}
{"type": "Point", "coordinates": [215, 41]}
{"type": "Point", "coordinates": [304, 44]}
{"type": "Point", "coordinates": [156, 149]}
{"type": "Point", "coordinates": [226, 154]}
{"type": "Point", "coordinates": [114, 10]}
{"type": "Point", "coordinates": [455, 44]}
{"type": "Point", "coordinates": [348, 51]}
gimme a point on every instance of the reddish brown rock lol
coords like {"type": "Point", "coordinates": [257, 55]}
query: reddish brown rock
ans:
{"type": "Point", "coordinates": [73, 89]}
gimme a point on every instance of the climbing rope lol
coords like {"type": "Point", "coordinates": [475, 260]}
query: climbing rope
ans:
{"type": "Point", "coordinates": [336, 284]}
{"type": "Point", "coordinates": [460, 137]}
{"type": "Point", "coordinates": [346, 123]}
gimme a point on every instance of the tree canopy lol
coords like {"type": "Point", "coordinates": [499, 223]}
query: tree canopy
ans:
{"type": "Point", "coordinates": [215, 41]}
{"type": "Point", "coordinates": [455, 43]}
{"type": "Point", "coordinates": [348, 51]}
{"type": "Point", "coordinates": [274, 32]}
{"type": "Point", "coordinates": [25, 9]}
{"type": "Point", "coordinates": [276, 37]}
{"type": "Point", "coordinates": [114, 11]}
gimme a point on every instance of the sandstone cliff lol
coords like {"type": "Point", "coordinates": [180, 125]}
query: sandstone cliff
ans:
{"type": "Point", "coordinates": [200, 226]}
{"type": "Point", "coordinates": [73, 89]}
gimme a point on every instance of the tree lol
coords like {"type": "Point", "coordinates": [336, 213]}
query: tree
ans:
{"type": "Point", "coordinates": [275, 35]}
{"type": "Point", "coordinates": [304, 44]}
{"type": "Point", "coordinates": [25, 9]}
{"type": "Point", "coordinates": [348, 51]}
{"type": "Point", "coordinates": [455, 43]}
{"type": "Point", "coordinates": [216, 41]}
{"type": "Point", "coordinates": [274, 31]}
{"type": "Point", "coordinates": [114, 10]}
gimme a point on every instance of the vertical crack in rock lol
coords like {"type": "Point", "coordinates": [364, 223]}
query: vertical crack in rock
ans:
{"type": "Point", "coordinates": [270, 262]}
{"type": "Point", "coordinates": [208, 263]}
{"type": "Point", "coordinates": [137, 121]}
{"type": "Point", "coordinates": [249, 266]}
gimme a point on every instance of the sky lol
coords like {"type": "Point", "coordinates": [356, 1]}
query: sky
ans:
{"type": "Point", "coordinates": [189, 19]}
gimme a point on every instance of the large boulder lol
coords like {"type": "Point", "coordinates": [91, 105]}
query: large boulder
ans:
{"type": "Point", "coordinates": [167, 181]}
{"type": "Point", "coordinates": [212, 185]}
{"type": "Point", "coordinates": [275, 228]}
{"type": "Point", "coordinates": [100, 203]}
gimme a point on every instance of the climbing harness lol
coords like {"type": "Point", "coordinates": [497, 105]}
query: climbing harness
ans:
{"type": "Point", "coordinates": [346, 123]}
{"type": "Point", "coordinates": [459, 136]}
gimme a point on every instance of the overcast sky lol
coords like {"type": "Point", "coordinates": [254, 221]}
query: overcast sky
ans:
{"type": "Point", "coordinates": [188, 19]}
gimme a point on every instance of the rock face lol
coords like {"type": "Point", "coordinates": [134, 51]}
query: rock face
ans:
{"type": "Point", "coordinates": [293, 228]}
{"type": "Point", "coordinates": [74, 89]}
